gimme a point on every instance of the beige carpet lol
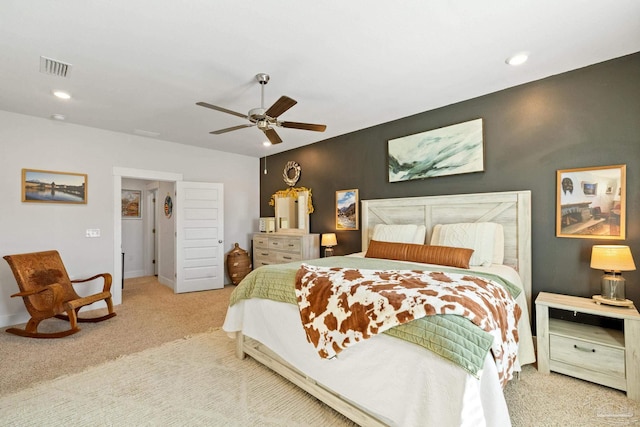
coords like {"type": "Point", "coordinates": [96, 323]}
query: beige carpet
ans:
{"type": "Point", "coordinates": [193, 381]}
{"type": "Point", "coordinates": [151, 314]}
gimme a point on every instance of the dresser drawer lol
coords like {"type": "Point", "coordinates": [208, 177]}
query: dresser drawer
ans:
{"type": "Point", "coordinates": [587, 355]}
{"type": "Point", "coordinates": [282, 257]}
{"type": "Point", "coordinates": [261, 254]}
{"type": "Point", "coordinates": [261, 242]}
{"type": "Point", "coordinates": [289, 245]}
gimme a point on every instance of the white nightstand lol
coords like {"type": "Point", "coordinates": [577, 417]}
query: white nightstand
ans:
{"type": "Point", "coordinates": [600, 355]}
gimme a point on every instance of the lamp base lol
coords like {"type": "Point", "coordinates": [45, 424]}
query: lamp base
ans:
{"type": "Point", "coordinates": [612, 286]}
{"type": "Point", "coordinates": [599, 299]}
{"type": "Point", "coordinates": [328, 251]}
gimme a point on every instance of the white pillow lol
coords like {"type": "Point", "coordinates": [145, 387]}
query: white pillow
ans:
{"type": "Point", "coordinates": [485, 238]}
{"type": "Point", "coordinates": [399, 233]}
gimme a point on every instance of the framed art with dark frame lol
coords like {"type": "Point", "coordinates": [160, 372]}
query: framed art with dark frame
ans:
{"type": "Point", "coordinates": [347, 217]}
{"type": "Point", "coordinates": [43, 186]}
{"type": "Point", "coordinates": [131, 204]}
{"type": "Point", "coordinates": [591, 202]}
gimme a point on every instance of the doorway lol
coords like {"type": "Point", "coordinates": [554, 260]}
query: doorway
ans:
{"type": "Point", "coordinates": [141, 174]}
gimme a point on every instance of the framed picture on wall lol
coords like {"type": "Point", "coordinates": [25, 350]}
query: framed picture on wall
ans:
{"type": "Point", "coordinates": [450, 150]}
{"type": "Point", "coordinates": [54, 187]}
{"type": "Point", "coordinates": [131, 204]}
{"type": "Point", "coordinates": [590, 202]}
{"type": "Point", "coordinates": [347, 210]}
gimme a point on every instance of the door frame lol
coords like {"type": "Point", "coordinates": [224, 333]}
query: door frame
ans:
{"type": "Point", "coordinates": [150, 235]}
{"type": "Point", "coordinates": [118, 174]}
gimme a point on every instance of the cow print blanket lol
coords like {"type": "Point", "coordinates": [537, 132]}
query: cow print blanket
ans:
{"type": "Point", "coordinates": [342, 306]}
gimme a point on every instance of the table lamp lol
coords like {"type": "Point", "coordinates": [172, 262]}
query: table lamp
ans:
{"type": "Point", "coordinates": [329, 241]}
{"type": "Point", "coordinates": [613, 259]}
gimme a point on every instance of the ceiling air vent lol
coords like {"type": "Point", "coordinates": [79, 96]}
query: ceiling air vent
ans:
{"type": "Point", "coordinates": [54, 67]}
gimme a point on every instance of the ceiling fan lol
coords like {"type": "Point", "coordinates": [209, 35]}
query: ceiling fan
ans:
{"type": "Point", "coordinates": [263, 118]}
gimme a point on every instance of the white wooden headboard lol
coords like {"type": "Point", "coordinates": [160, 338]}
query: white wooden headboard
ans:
{"type": "Point", "coordinates": [512, 209]}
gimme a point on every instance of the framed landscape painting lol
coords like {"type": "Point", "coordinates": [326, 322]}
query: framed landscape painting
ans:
{"type": "Point", "coordinates": [450, 150]}
{"type": "Point", "coordinates": [44, 186]}
{"type": "Point", "coordinates": [347, 210]}
{"type": "Point", "coordinates": [131, 204]}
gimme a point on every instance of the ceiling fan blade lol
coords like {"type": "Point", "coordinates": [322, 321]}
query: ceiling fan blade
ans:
{"type": "Point", "coordinates": [272, 135]}
{"type": "Point", "coordinates": [224, 110]}
{"type": "Point", "coordinates": [218, 132]}
{"type": "Point", "coordinates": [280, 106]}
{"type": "Point", "coordinates": [303, 126]}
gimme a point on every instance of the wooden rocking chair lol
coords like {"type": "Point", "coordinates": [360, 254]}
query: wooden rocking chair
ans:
{"type": "Point", "coordinates": [48, 292]}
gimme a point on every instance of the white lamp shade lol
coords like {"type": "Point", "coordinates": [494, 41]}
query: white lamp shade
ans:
{"type": "Point", "coordinates": [329, 239]}
{"type": "Point", "coordinates": [612, 258]}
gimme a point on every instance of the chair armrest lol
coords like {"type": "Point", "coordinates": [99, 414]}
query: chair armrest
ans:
{"type": "Point", "coordinates": [55, 288]}
{"type": "Point", "coordinates": [107, 281]}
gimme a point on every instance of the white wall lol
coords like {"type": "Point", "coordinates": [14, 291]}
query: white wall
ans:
{"type": "Point", "coordinates": [34, 143]}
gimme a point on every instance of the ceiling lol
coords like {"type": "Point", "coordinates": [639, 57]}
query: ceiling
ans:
{"type": "Point", "coordinates": [140, 66]}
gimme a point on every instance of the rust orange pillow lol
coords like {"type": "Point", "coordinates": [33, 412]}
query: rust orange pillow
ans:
{"type": "Point", "coordinates": [428, 254]}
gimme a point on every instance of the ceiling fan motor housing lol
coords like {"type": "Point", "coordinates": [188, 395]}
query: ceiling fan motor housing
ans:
{"type": "Point", "coordinates": [262, 78]}
{"type": "Point", "coordinates": [256, 114]}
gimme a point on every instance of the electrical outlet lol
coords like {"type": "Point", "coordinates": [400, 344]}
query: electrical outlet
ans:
{"type": "Point", "coordinates": [93, 232]}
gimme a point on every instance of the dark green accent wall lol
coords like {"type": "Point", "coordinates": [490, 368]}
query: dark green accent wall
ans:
{"type": "Point", "coordinates": [586, 117]}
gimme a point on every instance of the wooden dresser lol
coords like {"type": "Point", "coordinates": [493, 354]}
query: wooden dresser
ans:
{"type": "Point", "coordinates": [277, 248]}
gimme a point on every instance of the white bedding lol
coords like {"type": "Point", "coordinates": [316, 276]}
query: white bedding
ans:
{"type": "Point", "coordinates": [401, 383]}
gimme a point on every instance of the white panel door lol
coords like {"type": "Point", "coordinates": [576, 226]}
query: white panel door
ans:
{"type": "Point", "coordinates": [199, 236]}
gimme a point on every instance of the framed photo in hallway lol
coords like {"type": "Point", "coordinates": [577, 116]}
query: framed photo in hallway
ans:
{"type": "Point", "coordinates": [131, 204]}
{"type": "Point", "coordinates": [44, 186]}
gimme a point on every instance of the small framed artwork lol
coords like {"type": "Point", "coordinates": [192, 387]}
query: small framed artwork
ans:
{"type": "Point", "coordinates": [131, 204]}
{"type": "Point", "coordinates": [347, 217]}
{"type": "Point", "coordinates": [590, 202]}
{"type": "Point", "coordinates": [54, 187]}
{"type": "Point", "coordinates": [451, 150]}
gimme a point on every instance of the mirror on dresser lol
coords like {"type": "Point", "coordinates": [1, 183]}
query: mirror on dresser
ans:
{"type": "Point", "coordinates": [292, 209]}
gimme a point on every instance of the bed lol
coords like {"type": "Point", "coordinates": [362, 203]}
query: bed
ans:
{"type": "Point", "coordinates": [384, 380]}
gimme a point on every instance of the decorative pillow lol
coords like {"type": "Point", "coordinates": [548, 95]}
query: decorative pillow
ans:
{"type": "Point", "coordinates": [400, 233]}
{"type": "Point", "coordinates": [483, 237]}
{"type": "Point", "coordinates": [440, 255]}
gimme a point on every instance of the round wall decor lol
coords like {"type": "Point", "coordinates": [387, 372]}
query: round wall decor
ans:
{"type": "Point", "coordinates": [168, 206]}
{"type": "Point", "coordinates": [291, 173]}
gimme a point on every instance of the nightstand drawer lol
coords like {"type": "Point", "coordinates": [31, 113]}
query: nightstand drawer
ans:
{"type": "Point", "coordinates": [587, 355]}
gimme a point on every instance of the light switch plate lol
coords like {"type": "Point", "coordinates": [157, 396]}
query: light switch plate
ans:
{"type": "Point", "coordinates": [93, 232]}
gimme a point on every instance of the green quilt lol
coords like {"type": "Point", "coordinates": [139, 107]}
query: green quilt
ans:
{"type": "Point", "coordinates": [453, 337]}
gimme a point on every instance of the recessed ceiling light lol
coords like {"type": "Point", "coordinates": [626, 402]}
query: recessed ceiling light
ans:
{"type": "Point", "coordinates": [61, 94]}
{"type": "Point", "coordinates": [59, 117]}
{"type": "Point", "coordinates": [267, 144]}
{"type": "Point", "coordinates": [518, 58]}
